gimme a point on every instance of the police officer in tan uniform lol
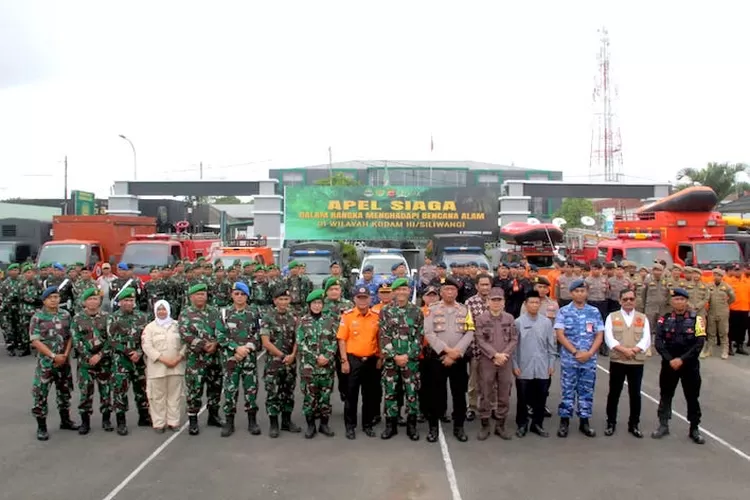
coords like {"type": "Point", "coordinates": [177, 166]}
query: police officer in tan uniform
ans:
{"type": "Point", "coordinates": [598, 289]}
{"type": "Point", "coordinates": [720, 296]}
{"type": "Point", "coordinates": [674, 280]}
{"type": "Point", "coordinates": [655, 297]}
{"type": "Point", "coordinates": [616, 284]}
{"type": "Point", "coordinates": [561, 285]}
{"type": "Point", "coordinates": [697, 290]}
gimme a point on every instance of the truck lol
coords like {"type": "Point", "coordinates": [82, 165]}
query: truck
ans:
{"type": "Point", "coordinates": [459, 248]}
{"type": "Point", "coordinates": [145, 251]}
{"type": "Point", "coordinates": [643, 249]}
{"type": "Point", "coordinates": [317, 257]}
{"type": "Point", "coordinates": [21, 239]}
{"type": "Point", "coordinates": [253, 249]}
{"type": "Point", "coordinates": [92, 239]}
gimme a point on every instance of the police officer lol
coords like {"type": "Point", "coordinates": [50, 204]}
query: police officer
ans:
{"type": "Point", "coordinates": [655, 297]}
{"type": "Point", "coordinates": [680, 336]}
{"type": "Point", "coordinates": [598, 288]}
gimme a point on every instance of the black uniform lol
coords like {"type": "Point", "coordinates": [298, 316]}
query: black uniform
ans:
{"type": "Point", "coordinates": [466, 290]}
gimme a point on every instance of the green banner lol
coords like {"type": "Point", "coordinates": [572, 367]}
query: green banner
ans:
{"type": "Point", "coordinates": [386, 213]}
{"type": "Point", "coordinates": [84, 202]}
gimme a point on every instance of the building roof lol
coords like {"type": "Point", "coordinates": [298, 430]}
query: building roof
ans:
{"type": "Point", "coordinates": [395, 164]}
{"type": "Point", "coordinates": [740, 205]}
{"type": "Point", "coordinates": [22, 211]}
{"type": "Point", "coordinates": [237, 211]}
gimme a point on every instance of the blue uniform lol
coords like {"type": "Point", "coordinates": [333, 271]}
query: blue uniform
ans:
{"type": "Point", "coordinates": [581, 326]}
{"type": "Point", "coordinates": [372, 286]}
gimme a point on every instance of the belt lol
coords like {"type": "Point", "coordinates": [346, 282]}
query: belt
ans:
{"type": "Point", "coordinates": [361, 358]}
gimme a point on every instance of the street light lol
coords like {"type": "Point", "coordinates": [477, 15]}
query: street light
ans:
{"type": "Point", "coordinates": [135, 163]}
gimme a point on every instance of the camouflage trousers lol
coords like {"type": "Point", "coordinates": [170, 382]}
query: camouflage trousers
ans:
{"type": "Point", "coordinates": [10, 323]}
{"type": "Point", "coordinates": [279, 381]}
{"type": "Point", "coordinates": [88, 378]}
{"type": "Point", "coordinates": [316, 386]}
{"type": "Point", "coordinates": [44, 375]}
{"type": "Point", "coordinates": [198, 376]}
{"type": "Point", "coordinates": [577, 386]}
{"type": "Point", "coordinates": [126, 373]}
{"type": "Point", "coordinates": [408, 377]}
{"type": "Point", "coordinates": [243, 372]}
{"type": "Point", "coordinates": [21, 335]}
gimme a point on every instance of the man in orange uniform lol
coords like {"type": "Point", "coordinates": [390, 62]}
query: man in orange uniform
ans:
{"type": "Point", "coordinates": [739, 309]}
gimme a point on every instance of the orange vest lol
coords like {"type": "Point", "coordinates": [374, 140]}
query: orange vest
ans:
{"type": "Point", "coordinates": [741, 287]}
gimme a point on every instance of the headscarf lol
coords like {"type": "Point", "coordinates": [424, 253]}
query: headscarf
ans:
{"type": "Point", "coordinates": [166, 322]}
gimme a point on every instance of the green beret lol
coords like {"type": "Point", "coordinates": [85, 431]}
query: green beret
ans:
{"type": "Point", "coordinates": [260, 267]}
{"type": "Point", "coordinates": [80, 264]}
{"type": "Point", "coordinates": [237, 262]}
{"type": "Point", "coordinates": [44, 265]}
{"type": "Point", "coordinates": [13, 266]}
{"type": "Point", "coordinates": [399, 283]}
{"type": "Point", "coordinates": [91, 292]}
{"type": "Point", "coordinates": [70, 268]}
{"type": "Point", "coordinates": [200, 259]}
{"type": "Point", "coordinates": [280, 291]}
{"type": "Point", "coordinates": [271, 267]}
{"type": "Point", "coordinates": [315, 295]}
{"type": "Point", "coordinates": [152, 269]}
{"type": "Point", "coordinates": [27, 267]}
{"type": "Point", "coordinates": [219, 267]}
{"type": "Point", "coordinates": [200, 287]}
{"type": "Point", "coordinates": [293, 264]}
{"type": "Point", "coordinates": [188, 267]}
{"type": "Point", "coordinates": [332, 282]}
{"type": "Point", "coordinates": [217, 262]}
{"type": "Point", "coordinates": [127, 293]}
{"type": "Point", "coordinates": [249, 263]}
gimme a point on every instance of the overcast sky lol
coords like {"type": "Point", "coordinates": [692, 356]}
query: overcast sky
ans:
{"type": "Point", "coordinates": [243, 88]}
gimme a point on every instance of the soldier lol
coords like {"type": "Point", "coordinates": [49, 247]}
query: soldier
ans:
{"type": "Point", "coordinates": [680, 336]}
{"type": "Point", "coordinates": [155, 290]}
{"type": "Point", "coordinates": [401, 324]}
{"type": "Point", "coordinates": [369, 281]}
{"type": "Point", "coordinates": [579, 329]}
{"type": "Point", "coordinates": [655, 297]}
{"type": "Point", "coordinates": [698, 292]}
{"type": "Point", "coordinates": [497, 338]}
{"type": "Point", "coordinates": [247, 273]}
{"type": "Point", "coordinates": [639, 281]}
{"type": "Point", "coordinates": [124, 329]}
{"type": "Point", "coordinates": [260, 291]}
{"type": "Point", "coordinates": [9, 309]}
{"type": "Point", "coordinates": [124, 280]}
{"type": "Point", "coordinates": [50, 336]}
{"type": "Point", "coordinates": [278, 331]}
{"type": "Point", "coordinates": [721, 296]}
{"type": "Point", "coordinates": [336, 273]}
{"type": "Point", "coordinates": [298, 285]}
{"type": "Point", "coordinates": [516, 290]}
{"type": "Point", "coordinates": [598, 290]}
{"type": "Point", "coordinates": [83, 283]}
{"type": "Point", "coordinates": [89, 332]}
{"type": "Point", "coordinates": [221, 289]}
{"type": "Point", "coordinates": [203, 366]}
{"type": "Point", "coordinates": [317, 345]}
{"type": "Point", "coordinates": [178, 286]}
{"type": "Point", "coordinates": [334, 306]}
{"type": "Point", "coordinates": [237, 333]}
{"type": "Point", "coordinates": [28, 293]}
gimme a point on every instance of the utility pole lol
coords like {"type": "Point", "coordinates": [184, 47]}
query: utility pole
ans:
{"type": "Point", "coordinates": [330, 166]}
{"type": "Point", "coordinates": [65, 186]}
{"type": "Point", "coordinates": [200, 169]}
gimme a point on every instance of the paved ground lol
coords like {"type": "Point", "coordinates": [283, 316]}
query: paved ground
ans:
{"type": "Point", "coordinates": [105, 466]}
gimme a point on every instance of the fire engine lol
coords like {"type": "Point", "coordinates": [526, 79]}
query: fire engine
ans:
{"type": "Point", "coordinates": [643, 249]}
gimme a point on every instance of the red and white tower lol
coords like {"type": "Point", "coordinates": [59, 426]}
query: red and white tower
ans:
{"type": "Point", "coordinates": [606, 143]}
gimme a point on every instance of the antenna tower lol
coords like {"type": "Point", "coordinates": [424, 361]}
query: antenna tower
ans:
{"type": "Point", "coordinates": [606, 142]}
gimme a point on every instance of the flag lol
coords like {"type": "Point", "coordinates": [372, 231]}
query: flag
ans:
{"type": "Point", "coordinates": [432, 144]}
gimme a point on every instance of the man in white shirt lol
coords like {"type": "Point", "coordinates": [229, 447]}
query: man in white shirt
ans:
{"type": "Point", "coordinates": [628, 336]}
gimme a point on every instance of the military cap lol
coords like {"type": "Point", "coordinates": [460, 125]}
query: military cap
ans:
{"type": "Point", "coordinates": [628, 263]}
{"type": "Point", "coordinates": [49, 291]}
{"type": "Point", "coordinates": [541, 280]}
{"type": "Point", "coordinates": [361, 291]}
{"type": "Point", "coordinates": [13, 266]}
{"type": "Point", "coordinates": [128, 293]}
{"type": "Point", "coordinates": [497, 293]}
{"type": "Point", "coordinates": [27, 267]}
{"type": "Point", "coordinates": [58, 266]}
{"type": "Point", "coordinates": [451, 281]}
{"type": "Point", "coordinates": [217, 262]}
{"type": "Point", "coordinates": [679, 292]}
{"type": "Point", "coordinates": [248, 263]}
{"type": "Point", "coordinates": [334, 263]}
{"type": "Point", "coordinates": [122, 266]}
{"type": "Point", "coordinates": [314, 295]}
{"type": "Point", "coordinates": [260, 267]}
{"type": "Point", "coordinates": [400, 282]}
{"type": "Point", "coordinates": [643, 268]}
{"type": "Point", "coordinates": [396, 265]}
{"type": "Point", "coordinates": [271, 267]}
{"type": "Point", "coordinates": [610, 265]}
{"type": "Point", "coordinates": [596, 265]}
{"type": "Point", "coordinates": [237, 262]}
{"type": "Point", "coordinates": [689, 269]}
{"type": "Point", "coordinates": [280, 291]}
{"type": "Point", "coordinates": [368, 268]}
{"type": "Point", "coordinates": [79, 264]}
{"type": "Point", "coordinates": [90, 292]}
{"type": "Point", "coordinates": [718, 271]}
{"type": "Point", "coordinates": [442, 265]}
{"type": "Point", "coordinates": [200, 259]}
{"type": "Point", "coordinates": [657, 266]}
{"type": "Point", "coordinates": [677, 266]}
{"type": "Point", "coordinates": [153, 268]}
{"type": "Point", "coordinates": [293, 264]}
{"type": "Point", "coordinates": [241, 287]}
{"type": "Point", "coordinates": [188, 267]}
{"type": "Point", "coordinates": [200, 287]}
{"type": "Point", "coordinates": [576, 284]}
{"type": "Point", "coordinates": [385, 286]}
{"type": "Point", "coordinates": [472, 263]}
{"type": "Point", "coordinates": [503, 265]}
{"type": "Point", "coordinates": [430, 289]}
{"type": "Point", "coordinates": [70, 268]}
{"type": "Point", "coordinates": [43, 265]}
{"type": "Point", "coordinates": [331, 282]}
{"type": "Point", "coordinates": [219, 267]}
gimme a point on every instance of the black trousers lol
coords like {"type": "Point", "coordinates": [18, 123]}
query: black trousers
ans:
{"type": "Point", "coordinates": [618, 372]}
{"type": "Point", "coordinates": [690, 376]}
{"type": "Point", "coordinates": [343, 378]}
{"type": "Point", "coordinates": [531, 393]}
{"type": "Point", "coordinates": [436, 392]}
{"type": "Point", "coordinates": [365, 377]}
{"type": "Point", "coordinates": [738, 322]}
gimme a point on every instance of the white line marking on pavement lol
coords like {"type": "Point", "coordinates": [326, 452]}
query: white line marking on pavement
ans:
{"type": "Point", "coordinates": [451, 473]}
{"type": "Point", "coordinates": [112, 494]}
{"type": "Point", "coordinates": [708, 433]}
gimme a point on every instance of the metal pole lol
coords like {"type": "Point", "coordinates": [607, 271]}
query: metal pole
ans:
{"type": "Point", "coordinates": [135, 161]}
{"type": "Point", "coordinates": [201, 171]}
{"type": "Point", "coordinates": [65, 200]}
{"type": "Point", "coordinates": [330, 166]}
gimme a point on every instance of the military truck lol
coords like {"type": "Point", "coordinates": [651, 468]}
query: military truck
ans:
{"type": "Point", "coordinates": [21, 239]}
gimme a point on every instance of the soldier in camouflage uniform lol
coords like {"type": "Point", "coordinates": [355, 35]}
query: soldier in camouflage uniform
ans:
{"type": "Point", "coordinates": [124, 329]}
{"type": "Point", "coordinates": [337, 273]}
{"type": "Point", "coordinates": [178, 286]}
{"type": "Point", "coordinates": [45, 271]}
{"type": "Point", "coordinates": [273, 274]}
{"type": "Point", "coordinates": [401, 328]}
{"type": "Point", "coordinates": [247, 273]}
{"type": "Point", "coordinates": [123, 280]}
{"type": "Point", "coordinates": [278, 331]}
{"type": "Point", "coordinates": [221, 289]}
{"type": "Point", "coordinates": [334, 306]}
{"type": "Point", "coordinates": [9, 308]}
{"type": "Point", "coordinates": [698, 292]}
{"type": "Point", "coordinates": [191, 279]}
{"type": "Point", "coordinates": [317, 344]}
{"type": "Point", "coordinates": [237, 333]}
{"type": "Point", "coordinates": [90, 342]}
{"type": "Point", "coordinates": [298, 285]}
{"type": "Point", "coordinates": [159, 288]}
{"type": "Point", "coordinates": [83, 283]}
{"type": "Point", "coordinates": [203, 368]}
{"type": "Point", "coordinates": [260, 291]}
{"type": "Point", "coordinates": [50, 336]}
{"type": "Point", "coordinates": [29, 293]}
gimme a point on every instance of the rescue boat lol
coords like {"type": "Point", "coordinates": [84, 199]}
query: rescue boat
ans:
{"type": "Point", "coordinates": [520, 233]}
{"type": "Point", "coordinates": [692, 199]}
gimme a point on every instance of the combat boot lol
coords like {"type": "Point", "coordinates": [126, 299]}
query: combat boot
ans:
{"type": "Point", "coordinates": [274, 431]}
{"type": "Point", "coordinates": [434, 433]}
{"type": "Point", "coordinates": [41, 429]}
{"type": "Point", "coordinates": [324, 429]}
{"type": "Point", "coordinates": [228, 428]}
{"type": "Point", "coordinates": [401, 420]}
{"type": "Point", "coordinates": [562, 431]}
{"type": "Point", "coordinates": [85, 424]}
{"type": "Point", "coordinates": [662, 431]}
{"type": "Point", "coordinates": [193, 428]}
{"type": "Point", "coordinates": [288, 425]}
{"type": "Point", "coordinates": [391, 428]}
{"type": "Point", "coordinates": [502, 432]}
{"type": "Point", "coordinates": [484, 430]}
{"type": "Point", "coordinates": [214, 420]}
{"type": "Point", "coordinates": [252, 423]}
{"type": "Point", "coordinates": [144, 419]}
{"type": "Point", "coordinates": [586, 429]}
{"type": "Point", "coordinates": [411, 428]}
{"type": "Point", "coordinates": [741, 350]}
{"type": "Point", "coordinates": [311, 430]}
{"type": "Point", "coordinates": [107, 422]}
{"type": "Point", "coordinates": [122, 425]}
{"type": "Point", "coordinates": [695, 435]}
{"type": "Point", "coordinates": [66, 424]}
{"type": "Point", "coordinates": [459, 433]}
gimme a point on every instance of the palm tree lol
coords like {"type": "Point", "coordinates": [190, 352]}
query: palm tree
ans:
{"type": "Point", "coordinates": [721, 177]}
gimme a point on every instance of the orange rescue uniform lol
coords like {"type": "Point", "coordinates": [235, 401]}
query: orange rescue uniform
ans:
{"type": "Point", "coordinates": [360, 332]}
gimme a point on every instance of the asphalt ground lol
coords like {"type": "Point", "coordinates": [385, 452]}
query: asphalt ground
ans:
{"type": "Point", "coordinates": [144, 465]}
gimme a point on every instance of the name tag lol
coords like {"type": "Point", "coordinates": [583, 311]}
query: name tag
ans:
{"type": "Point", "coordinates": [589, 327]}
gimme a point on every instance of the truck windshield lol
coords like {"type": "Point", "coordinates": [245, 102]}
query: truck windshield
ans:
{"type": "Point", "coordinates": [6, 253]}
{"type": "Point", "coordinates": [465, 258]}
{"type": "Point", "coordinates": [64, 254]}
{"type": "Point", "coordinates": [228, 261]}
{"type": "Point", "coordinates": [725, 252]}
{"type": "Point", "coordinates": [315, 265]}
{"type": "Point", "coordinates": [146, 255]}
{"type": "Point", "coordinates": [541, 261]}
{"type": "Point", "coordinates": [646, 256]}
{"type": "Point", "coordinates": [382, 265]}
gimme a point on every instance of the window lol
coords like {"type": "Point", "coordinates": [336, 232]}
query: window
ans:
{"type": "Point", "coordinates": [293, 177]}
{"type": "Point", "coordinates": [418, 176]}
{"type": "Point", "coordinates": [9, 231]}
{"type": "Point", "coordinates": [175, 254]}
{"type": "Point", "coordinates": [63, 253]}
{"type": "Point", "coordinates": [95, 257]}
{"type": "Point", "coordinates": [7, 254]}
{"type": "Point", "coordinates": [487, 179]}
{"type": "Point", "coordinates": [315, 265]}
{"type": "Point", "coordinates": [685, 254]}
{"type": "Point", "coordinates": [713, 254]}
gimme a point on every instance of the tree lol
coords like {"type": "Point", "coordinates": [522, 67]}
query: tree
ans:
{"type": "Point", "coordinates": [227, 200]}
{"type": "Point", "coordinates": [721, 177]}
{"type": "Point", "coordinates": [338, 179]}
{"type": "Point", "coordinates": [572, 209]}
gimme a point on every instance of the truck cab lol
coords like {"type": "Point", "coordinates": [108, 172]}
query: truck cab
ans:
{"type": "Point", "coordinates": [382, 261]}
{"type": "Point", "coordinates": [159, 250]}
{"type": "Point", "coordinates": [21, 239]}
{"type": "Point", "coordinates": [245, 250]}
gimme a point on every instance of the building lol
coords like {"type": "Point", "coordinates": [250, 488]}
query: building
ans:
{"type": "Point", "coordinates": [18, 210]}
{"type": "Point", "coordinates": [422, 173]}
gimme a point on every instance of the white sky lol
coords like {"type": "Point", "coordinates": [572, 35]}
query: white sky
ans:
{"type": "Point", "coordinates": [269, 84]}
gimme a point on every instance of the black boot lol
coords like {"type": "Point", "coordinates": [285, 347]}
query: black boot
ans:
{"type": "Point", "coordinates": [741, 350]}
{"type": "Point", "coordinates": [252, 423]}
{"type": "Point", "coordinates": [484, 430]}
{"type": "Point", "coordinates": [144, 419]}
{"type": "Point", "coordinates": [122, 425]}
{"type": "Point", "coordinates": [695, 435]}
{"type": "Point", "coordinates": [193, 428]}
{"type": "Point", "coordinates": [288, 425]}
{"type": "Point", "coordinates": [391, 428]}
{"type": "Point", "coordinates": [41, 429]}
{"type": "Point", "coordinates": [311, 430]}
{"type": "Point", "coordinates": [107, 422]}
{"type": "Point", "coordinates": [539, 430]}
{"type": "Point", "coordinates": [459, 433]}
{"type": "Point", "coordinates": [662, 431]}
{"type": "Point", "coordinates": [562, 431]}
{"type": "Point", "coordinates": [214, 420]}
{"type": "Point", "coordinates": [324, 429]}
{"type": "Point", "coordinates": [401, 420]}
{"type": "Point", "coordinates": [274, 431]}
{"type": "Point", "coordinates": [586, 429]}
{"type": "Point", "coordinates": [610, 429]}
{"type": "Point", "coordinates": [522, 430]}
{"type": "Point", "coordinates": [228, 428]}
{"type": "Point", "coordinates": [85, 424]}
{"type": "Point", "coordinates": [434, 433]}
{"type": "Point", "coordinates": [66, 424]}
{"type": "Point", "coordinates": [411, 428]}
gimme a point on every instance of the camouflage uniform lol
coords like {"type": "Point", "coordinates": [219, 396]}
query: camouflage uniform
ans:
{"type": "Point", "coordinates": [124, 332]}
{"type": "Point", "coordinates": [89, 338]}
{"type": "Point", "coordinates": [28, 297]}
{"type": "Point", "coordinates": [317, 337]}
{"type": "Point", "coordinates": [9, 310]}
{"type": "Point", "coordinates": [346, 285]}
{"type": "Point", "coordinates": [198, 328]}
{"type": "Point", "coordinates": [335, 308]}
{"type": "Point", "coordinates": [79, 287]}
{"type": "Point", "coordinates": [279, 379]}
{"type": "Point", "coordinates": [53, 330]}
{"type": "Point", "coordinates": [299, 287]}
{"type": "Point", "coordinates": [238, 328]}
{"type": "Point", "coordinates": [156, 290]}
{"type": "Point", "coordinates": [220, 293]}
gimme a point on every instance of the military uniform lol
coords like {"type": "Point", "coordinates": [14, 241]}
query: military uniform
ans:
{"type": "Point", "coordinates": [90, 338]}
{"type": "Point", "coordinates": [79, 287]}
{"type": "Point", "coordinates": [124, 331]}
{"type": "Point", "coordinates": [561, 289]}
{"type": "Point", "coordinates": [202, 369]}
{"type": "Point", "coordinates": [220, 293]}
{"type": "Point", "coordinates": [614, 286]}
{"type": "Point", "coordinates": [655, 302]}
{"type": "Point", "coordinates": [279, 379]}
{"type": "Point", "coordinates": [316, 336]}
{"type": "Point", "coordinates": [698, 295]}
{"type": "Point", "coordinates": [10, 320]}
{"type": "Point", "coordinates": [720, 296]}
{"type": "Point", "coordinates": [299, 287]}
{"type": "Point", "coordinates": [156, 290]}
{"type": "Point", "coordinates": [28, 297]}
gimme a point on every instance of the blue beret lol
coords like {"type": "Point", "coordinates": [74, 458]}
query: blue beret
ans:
{"type": "Point", "coordinates": [122, 266]}
{"type": "Point", "coordinates": [576, 284]}
{"type": "Point", "coordinates": [58, 266]}
{"type": "Point", "coordinates": [442, 265]}
{"type": "Point", "coordinates": [367, 268]}
{"type": "Point", "coordinates": [395, 266]}
{"type": "Point", "coordinates": [401, 282]}
{"type": "Point", "coordinates": [241, 287]}
{"type": "Point", "coordinates": [680, 292]}
{"type": "Point", "coordinates": [49, 291]}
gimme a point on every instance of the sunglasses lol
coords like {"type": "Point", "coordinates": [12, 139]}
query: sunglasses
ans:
{"type": "Point", "coordinates": [627, 299]}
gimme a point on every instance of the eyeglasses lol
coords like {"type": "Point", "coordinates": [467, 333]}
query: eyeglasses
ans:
{"type": "Point", "coordinates": [627, 299]}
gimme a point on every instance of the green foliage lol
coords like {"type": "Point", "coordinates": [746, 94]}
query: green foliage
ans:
{"type": "Point", "coordinates": [721, 177]}
{"type": "Point", "coordinates": [349, 255]}
{"type": "Point", "coordinates": [572, 209]}
{"type": "Point", "coordinates": [339, 179]}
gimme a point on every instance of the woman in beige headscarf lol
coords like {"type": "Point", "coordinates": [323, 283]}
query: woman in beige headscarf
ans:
{"type": "Point", "coordinates": [165, 368]}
